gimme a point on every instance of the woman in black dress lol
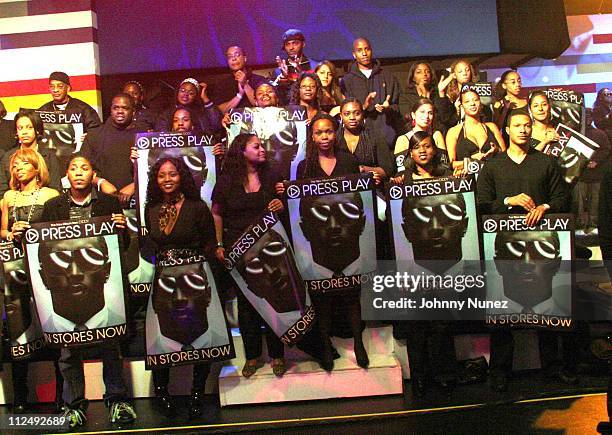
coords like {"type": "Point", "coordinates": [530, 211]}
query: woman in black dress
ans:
{"type": "Point", "coordinates": [243, 191]}
{"type": "Point", "coordinates": [324, 160]}
{"type": "Point", "coordinates": [180, 225]}
{"type": "Point", "coordinates": [307, 92]}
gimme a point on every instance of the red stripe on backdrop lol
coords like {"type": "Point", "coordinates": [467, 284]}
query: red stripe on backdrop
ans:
{"type": "Point", "coordinates": [48, 37]}
{"type": "Point", "coordinates": [22, 8]}
{"type": "Point", "coordinates": [41, 86]}
{"type": "Point", "coordinates": [602, 38]}
{"type": "Point", "coordinates": [585, 88]}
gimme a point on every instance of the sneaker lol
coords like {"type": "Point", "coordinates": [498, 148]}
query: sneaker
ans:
{"type": "Point", "coordinates": [121, 412]}
{"type": "Point", "coordinates": [74, 417]}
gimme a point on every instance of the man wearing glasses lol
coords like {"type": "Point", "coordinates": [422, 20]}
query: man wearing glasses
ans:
{"type": "Point", "coordinates": [59, 86]}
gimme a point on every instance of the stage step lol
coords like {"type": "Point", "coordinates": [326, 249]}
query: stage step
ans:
{"type": "Point", "coordinates": [305, 380]}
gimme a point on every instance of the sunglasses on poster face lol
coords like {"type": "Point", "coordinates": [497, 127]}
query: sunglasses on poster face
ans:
{"type": "Point", "coordinates": [272, 249]}
{"type": "Point", "coordinates": [445, 214]}
{"type": "Point", "coordinates": [88, 260]}
{"type": "Point", "coordinates": [539, 250]}
{"type": "Point", "coordinates": [346, 210]}
{"type": "Point", "coordinates": [191, 284]}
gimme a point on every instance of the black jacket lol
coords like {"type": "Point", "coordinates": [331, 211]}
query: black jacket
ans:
{"type": "Point", "coordinates": [446, 116]}
{"type": "Point", "coordinates": [58, 209]}
{"type": "Point", "coordinates": [91, 119]}
{"type": "Point", "coordinates": [383, 82]}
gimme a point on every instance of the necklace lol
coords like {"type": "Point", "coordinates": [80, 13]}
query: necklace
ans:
{"type": "Point", "coordinates": [21, 194]}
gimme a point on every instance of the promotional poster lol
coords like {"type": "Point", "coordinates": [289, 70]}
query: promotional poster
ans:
{"type": "Point", "coordinates": [282, 131]}
{"type": "Point", "coordinates": [573, 152]}
{"type": "Point", "coordinates": [77, 282]}
{"type": "Point", "coordinates": [263, 265]}
{"type": "Point", "coordinates": [566, 107]}
{"type": "Point", "coordinates": [332, 225]}
{"type": "Point", "coordinates": [139, 258]}
{"type": "Point", "coordinates": [63, 133]}
{"type": "Point", "coordinates": [185, 318]}
{"type": "Point", "coordinates": [194, 149]}
{"type": "Point", "coordinates": [529, 273]}
{"type": "Point", "coordinates": [24, 333]}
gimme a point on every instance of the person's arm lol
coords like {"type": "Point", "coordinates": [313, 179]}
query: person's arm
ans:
{"type": "Point", "coordinates": [5, 174]}
{"type": "Point", "coordinates": [125, 194]}
{"type": "Point", "coordinates": [117, 216]}
{"type": "Point", "coordinates": [217, 214]}
{"type": "Point", "coordinates": [207, 231]}
{"type": "Point", "coordinates": [498, 135]}
{"type": "Point", "coordinates": [451, 143]}
{"type": "Point", "coordinates": [486, 191]}
{"type": "Point", "coordinates": [4, 229]}
{"type": "Point", "coordinates": [558, 189]}
{"type": "Point", "coordinates": [386, 162]}
{"type": "Point", "coordinates": [605, 211]}
{"type": "Point", "coordinates": [55, 175]}
{"type": "Point", "coordinates": [401, 144]}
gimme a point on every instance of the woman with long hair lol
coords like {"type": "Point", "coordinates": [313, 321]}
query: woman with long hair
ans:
{"type": "Point", "coordinates": [325, 160]}
{"type": "Point", "coordinates": [192, 95]}
{"type": "Point", "coordinates": [542, 131]}
{"type": "Point", "coordinates": [330, 85]}
{"type": "Point", "coordinates": [422, 86]}
{"type": "Point", "coordinates": [423, 115]}
{"type": "Point", "coordinates": [244, 190]}
{"type": "Point", "coordinates": [508, 97]}
{"type": "Point", "coordinates": [461, 72]}
{"type": "Point", "coordinates": [602, 111]}
{"type": "Point", "coordinates": [308, 92]}
{"type": "Point", "coordinates": [425, 158]}
{"type": "Point", "coordinates": [472, 139]}
{"type": "Point", "coordinates": [180, 225]}
{"type": "Point", "coordinates": [22, 206]}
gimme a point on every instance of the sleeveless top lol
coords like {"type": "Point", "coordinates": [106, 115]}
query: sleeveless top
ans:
{"type": "Point", "coordinates": [22, 213]}
{"type": "Point", "coordinates": [465, 147]}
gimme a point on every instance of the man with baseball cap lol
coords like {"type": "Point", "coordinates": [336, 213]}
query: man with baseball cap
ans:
{"type": "Point", "coordinates": [59, 86]}
{"type": "Point", "coordinates": [295, 63]}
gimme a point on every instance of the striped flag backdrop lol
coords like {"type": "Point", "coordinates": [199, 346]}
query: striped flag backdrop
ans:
{"type": "Point", "coordinates": [38, 37]}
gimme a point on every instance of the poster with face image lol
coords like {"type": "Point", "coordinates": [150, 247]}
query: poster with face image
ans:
{"type": "Point", "coordinates": [140, 256]}
{"type": "Point", "coordinates": [485, 92]}
{"type": "Point", "coordinates": [332, 225]}
{"type": "Point", "coordinates": [566, 107]}
{"type": "Point", "coordinates": [185, 318]}
{"type": "Point", "coordinates": [264, 267]}
{"type": "Point", "coordinates": [63, 133]}
{"type": "Point", "coordinates": [195, 150]}
{"type": "Point", "coordinates": [24, 333]}
{"type": "Point", "coordinates": [282, 131]}
{"type": "Point", "coordinates": [529, 271]}
{"type": "Point", "coordinates": [77, 282]}
{"type": "Point", "coordinates": [573, 152]}
{"type": "Point", "coordinates": [433, 223]}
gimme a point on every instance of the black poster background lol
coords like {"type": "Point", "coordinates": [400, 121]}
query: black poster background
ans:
{"type": "Point", "coordinates": [263, 266]}
{"type": "Point", "coordinates": [525, 283]}
{"type": "Point", "coordinates": [567, 107]}
{"type": "Point", "coordinates": [19, 305]}
{"type": "Point", "coordinates": [573, 152]}
{"type": "Point", "coordinates": [282, 131]}
{"type": "Point", "coordinates": [63, 132]}
{"type": "Point", "coordinates": [88, 304]}
{"type": "Point", "coordinates": [194, 149]}
{"type": "Point", "coordinates": [352, 205]}
{"type": "Point", "coordinates": [213, 344]}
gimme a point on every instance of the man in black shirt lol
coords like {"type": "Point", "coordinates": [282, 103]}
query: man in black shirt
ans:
{"type": "Point", "coordinates": [523, 181]}
{"type": "Point", "coordinates": [108, 148]}
{"type": "Point", "coordinates": [7, 131]}
{"type": "Point", "coordinates": [82, 201]}
{"type": "Point", "coordinates": [144, 117]}
{"type": "Point", "coordinates": [59, 86]}
{"type": "Point", "coordinates": [236, 89]}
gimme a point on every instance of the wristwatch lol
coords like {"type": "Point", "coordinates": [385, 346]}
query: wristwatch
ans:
{"type": "Point", "coordinates": [219, 244]}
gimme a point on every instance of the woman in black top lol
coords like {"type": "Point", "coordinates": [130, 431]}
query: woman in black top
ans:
{"type": "Point", "coordinates": [324, 160]}
{"type": "Point", "coordinates": [507, 97]}
{"type": "Point", "coordinates": [425, 158]}
{"type": "Point", "coordinates": [307, 92]}
{"type": "Point", "coordinates": [243, 191]}
{"type": "Point", "coordinates": [180, 225]}
{"type": "Point", "coordinates": [330, 86]}
{"type": "Point", "coordinates": [542, 131]}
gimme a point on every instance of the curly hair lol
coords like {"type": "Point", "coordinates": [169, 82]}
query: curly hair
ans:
{"type": "Point", "coordinates": [187, 187]}
{"type": "Point", "coordinates": [312, 151]}
{"type": "Point", "coordinates": [294, 93]}
{"type": "Point", "coordinates": [334, 88]}
{"type": "Point", "coordinates": [35, 159]}
{"type": "Point", "coordinates": [438, 167]}
{"type": "Point", "coordinates": [412, 69]}
{"type": "Point", "coordinates": [453, 90]}
{"type": "Point", "coordinates": [235, 165]}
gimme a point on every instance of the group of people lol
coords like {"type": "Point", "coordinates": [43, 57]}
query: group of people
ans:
{"type": "Point", "coordinates": [355, 125]}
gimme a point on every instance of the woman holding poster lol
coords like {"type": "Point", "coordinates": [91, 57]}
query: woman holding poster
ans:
{"type": "Point", "coordinates": [181, 226]}
{"type": "Point", "coordinates": [243, 191]}
{"type": "Point", "coordinates": [22, 205]}
{"type": "Point", "coordinates": [324, 160]}
{"type": "Point", "coordinates": [542, 132]}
